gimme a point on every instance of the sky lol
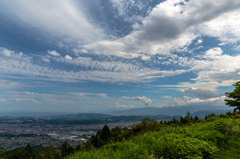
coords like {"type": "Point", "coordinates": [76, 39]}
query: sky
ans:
{"type": "Point", "coordinates": [109, 55]}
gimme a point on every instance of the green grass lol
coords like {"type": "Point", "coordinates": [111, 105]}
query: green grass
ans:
{"type": "Point", "coordinates": [218, 139]}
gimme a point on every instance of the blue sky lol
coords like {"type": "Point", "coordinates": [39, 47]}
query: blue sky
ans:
{"type": "Point", "coordinates": [107, 55]}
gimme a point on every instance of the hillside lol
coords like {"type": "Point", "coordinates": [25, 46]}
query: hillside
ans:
{"type": "Point", "coordinates": [216, 137]}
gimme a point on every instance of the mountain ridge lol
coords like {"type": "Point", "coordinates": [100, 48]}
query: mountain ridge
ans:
{"type": "Point", "coordinates": [153, 111]}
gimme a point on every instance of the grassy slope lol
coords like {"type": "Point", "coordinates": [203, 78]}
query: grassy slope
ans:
{"type": "Point", "coordinates": [212, 139]}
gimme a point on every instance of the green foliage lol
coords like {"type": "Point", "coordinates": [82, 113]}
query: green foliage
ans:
{"type": "Point", "coordinates": [234, 97]}
{"type": "Point", "coordinates": [2, 155]}
{"type": "Point", "coordinates": [143, 127]}
{"type": "Point", "coordinates": [66, 149]}
{"type": "Point", "coordinates": [17, 154]}
{"type": "Point", "coordinates": [116, 134]}
{"type": "Point", "coordinates": [29, 152]}
{"type": "Point", "coordinates": [196, 119]}
{"type": "Point", "coordinates": [215, 138]}
{"type": "Point", "coordinates": [105, 135]}
{"type": "Point", "coordinates": [49, 153]}
{"type": "Point", "coordinates": [101, 138]}
{"type": "Point", "coordinates": [22, 153]}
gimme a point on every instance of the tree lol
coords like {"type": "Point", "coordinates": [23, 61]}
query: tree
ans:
{"type": "Point", "coordinates": [96, 139]}
{"type": "Point", "coordinates": [66, 149]}
{"type": "Point", "coordinates": [188, 116]}
{"type": "Point", "coordinates": [2, 155]}
{"type": "Point", "coordinates": [79, 147]}
{"type": "Point", "coordinates": [106, 134]}
{"type": "Point", "coordinates": [16, 154]}
{"type": "Point", "coordinates": [49, 152]}
{"type": "Point", "coordinates": [196, 118]}
{"type": "Point", "coordinates": [233, 98]}
{"type": "Point", "coordinates": [29, 152]}
{"type": "Point", "coordinates": [116, 133]}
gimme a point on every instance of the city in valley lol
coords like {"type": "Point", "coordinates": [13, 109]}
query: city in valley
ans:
{"type": "Point", "coordinates": [20, 131]}
{"type": "Point", "coordinates": [18, 135]}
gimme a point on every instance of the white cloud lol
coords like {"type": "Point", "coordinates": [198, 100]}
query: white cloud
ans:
{"type": "Point", "coordinates": [217, 67]}
{"type": "Point", "coordinates": [87, 95]}
{"type": "Point", "coordinates": [64, 18]}
{"type": "Point", "coordinates": [26, 100]}
{"type": "Point", "coordinates": [199, 41]}
{"type": "Point", "coordinates": [102, 71]}
{"type": "Point", "coordinates": [67, 96]}
{"type": "Point", "coordinates": [170, 26]}
{"type": "Point", "coordinates": [202, 93]}
{"type": "Point", "coordinates": [161, 74]}
{"type": "Point", "coordinates": [54, 53]}
{"type": "Point", "coordinates": [190, 101]}
{"type": "Point", "coordinates": [145, 57]}
{"type": "Point", "coordinates": [205, 85]}
{"type": "Point", "coordinates": [7, 85]}
{"type": "Point", "coordinates": [144, 99]}
{"type": "Point", "coordinates": [67, 57]}
{"type": "Point", "coordinates": [6, 52]}
{"type": "Point", "coordinates": [63, 101]}
{"type": "Point", "coordinates": [167, 97]}
{"type": "Point", "coordinates": [117, 106]}
{"type": "Point", "coordinates": [46, 59]}
{"type": "Point", "coordinates": [224, 27]}
{"type": "Point", "coordinates": [212, 53]}
{"type": "Point", "coordinates": [214, 69]}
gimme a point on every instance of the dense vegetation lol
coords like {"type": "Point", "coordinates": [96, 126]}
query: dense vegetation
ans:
{"type": "Point", "coordinates": [214, 137]}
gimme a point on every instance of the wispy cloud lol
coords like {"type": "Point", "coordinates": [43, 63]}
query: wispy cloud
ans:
{"type": "Point", "coordinates": [144, 99]}
{"type": "Point", "coordinates": [8, 85]}
{"type": "Point", "coordinates": [101, 95]}
{"type": "Point", "coordinates": [118, 106]}
{"type": "Point", "coordinates": [6, 52]}
{"type": "Point", "coordinates": [217, 101]}
{"type": "Point", "coordinates": [59, 17]}
{"type": "Point", "coordinates": [54, 53]}
{"type": "Point", "coordinates": [103, 71]}
{"type": "Point", "coordinates": [26, 100]}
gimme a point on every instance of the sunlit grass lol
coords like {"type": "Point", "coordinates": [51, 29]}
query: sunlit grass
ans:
{"type": "Point", "coordinates": [212, 139]}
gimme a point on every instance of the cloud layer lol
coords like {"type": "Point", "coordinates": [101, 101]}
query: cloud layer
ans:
{"type": "Point", "coordinates": [189, 48]}
{"type": "Point", "coordinates": [170, 26]}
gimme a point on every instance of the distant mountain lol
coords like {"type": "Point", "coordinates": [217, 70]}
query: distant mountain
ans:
{"type": "Point", "coordinates": [117, 116]}
{"type": "Point", "coordinates": [181, 110]}
{"type": "Point", "coordinates": [203, 113]}
{"type": "Point", "coordinates": [81, 116]}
